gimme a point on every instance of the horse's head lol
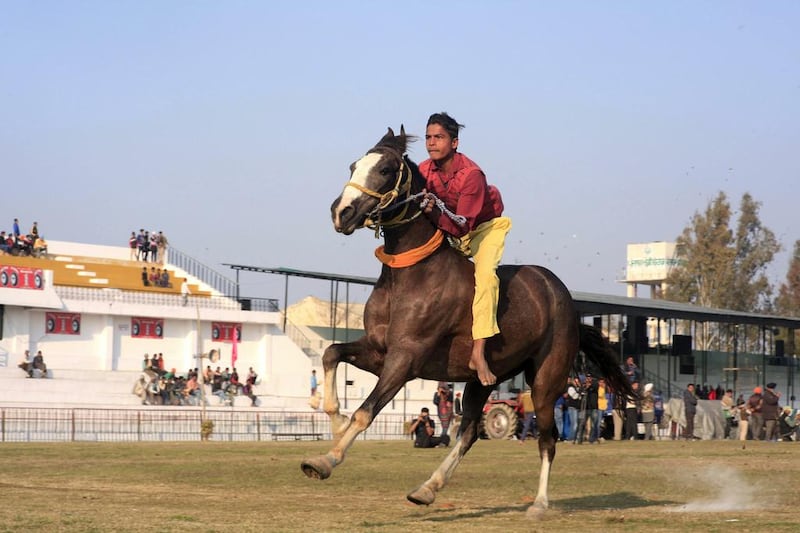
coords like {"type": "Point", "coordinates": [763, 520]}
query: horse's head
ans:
{"type": "Point", "coordinates": [375, 182]}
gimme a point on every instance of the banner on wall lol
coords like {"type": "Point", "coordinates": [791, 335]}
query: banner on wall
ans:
{"type": "Point", "coordinates": [63, 323]}
{"type": "Point", "coordinates": [13, 277]}
{"type": "Point", "coordinates": [224, 331]}
{"type": "Point", "coordinates": [147, 328]}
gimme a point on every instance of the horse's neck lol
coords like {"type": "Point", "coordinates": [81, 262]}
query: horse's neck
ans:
{"type": "Point", "coordinates": [406, 237]}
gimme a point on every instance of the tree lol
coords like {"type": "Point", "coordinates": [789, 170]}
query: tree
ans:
{"type": "Point", "coordinates": [788, 301]}
{"type": "Point", "coordinates": [721, 268]}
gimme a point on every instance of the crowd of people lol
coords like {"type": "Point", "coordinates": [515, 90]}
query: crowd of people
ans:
{"type": "Point", "coordinates": [158, 386]}
{"type": "Point", "coordinates": [148, 246]}
{"type": "Point", "coordinates": [17, 243]}
{"type": "Point", "coordinates": [156, 277]}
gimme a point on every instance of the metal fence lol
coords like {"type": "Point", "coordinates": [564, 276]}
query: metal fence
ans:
{"type": "Point", "coordinates": [21, 424]}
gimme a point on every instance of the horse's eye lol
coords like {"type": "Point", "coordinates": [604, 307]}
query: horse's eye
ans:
{"type": "Point", "coordinates": [385, 171]}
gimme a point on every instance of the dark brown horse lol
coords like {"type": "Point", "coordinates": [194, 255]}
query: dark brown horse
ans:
{"type": "Point", "coordinates": [418, 321]}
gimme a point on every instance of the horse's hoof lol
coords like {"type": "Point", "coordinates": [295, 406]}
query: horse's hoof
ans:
{"type": "Point", "coordinates": [536, 511]}
{"type": "Point", "coordinates": [317, 467]}
{"type": "Point", "coordinates": [422, 496]}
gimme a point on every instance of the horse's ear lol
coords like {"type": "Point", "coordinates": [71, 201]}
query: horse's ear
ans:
{"type": "Point", "coordinates": [388, 137]}
{"type": "Point", "coordinates": [402, 131]}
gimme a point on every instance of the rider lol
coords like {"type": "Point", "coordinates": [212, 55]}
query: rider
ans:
{"type": "Point", "coordinates": [461, 185]}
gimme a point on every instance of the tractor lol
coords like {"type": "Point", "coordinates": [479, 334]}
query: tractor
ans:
{"type": "Point", "coordinates": [503, 413]}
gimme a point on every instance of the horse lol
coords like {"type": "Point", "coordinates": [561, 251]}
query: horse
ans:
{"type": "Point", "coordinates": [418, 321]}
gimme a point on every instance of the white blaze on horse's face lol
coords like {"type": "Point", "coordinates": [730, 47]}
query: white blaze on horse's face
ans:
{"type": "Point", "coordinates": [362, 170]}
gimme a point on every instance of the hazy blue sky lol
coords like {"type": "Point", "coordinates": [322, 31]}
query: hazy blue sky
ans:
{"type": "Point", "coordinates": [230, 125]}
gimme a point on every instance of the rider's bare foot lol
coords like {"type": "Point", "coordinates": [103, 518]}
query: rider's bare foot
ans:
{"type": "Point", "coordinates": [477, 362]}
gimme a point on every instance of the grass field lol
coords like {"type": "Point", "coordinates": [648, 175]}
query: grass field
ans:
{"type": "Point", "coordinates": [243, 487]}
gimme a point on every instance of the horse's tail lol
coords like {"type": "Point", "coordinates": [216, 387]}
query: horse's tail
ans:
{"type": "Point", "coordinates": [595, 345]}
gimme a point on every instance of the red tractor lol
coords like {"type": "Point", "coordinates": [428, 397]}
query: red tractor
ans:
{"type": "Point", "coordinates": [503, 413]}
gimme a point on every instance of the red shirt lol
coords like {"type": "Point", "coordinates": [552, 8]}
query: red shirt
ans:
{"type": "Point", "coordinates": [464, 191]}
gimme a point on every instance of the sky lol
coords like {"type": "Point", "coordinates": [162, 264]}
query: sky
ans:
{"type": "Point", "coordinates": [231, 125]}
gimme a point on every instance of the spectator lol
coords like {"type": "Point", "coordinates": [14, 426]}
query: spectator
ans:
{"type": "Point", "coordinates": [743, 415]}
{"type": "Point", "coordinates": [133, 245]}
{"type": "Point", "coordinates": [690, 409]}
{"type": "Point", "coordinates": [27, 364]}
{"type": "Point", "coordinates": [529, 422]}
{"type": "Point", "coordinates": [161, 242]}
{"type": "Point", "coordinates": [165, 279]}
{"type": "Point", "coordinates": [313, 382]}
{"type": "Point", "coordinates": [248, 387]}
{"type": "Point", "coordinates": [4, 246]}
{"type": "Point", "coordinates": [39, 367]}
{"type": "Point", "coordinates": [771, 410]}
{"type": "Point", "coordinates": [558, 416]}
{"type": "Point", "coordinates": [146, 363]}
{"type": "Point", "coordinates": [423, 429]}
{"type": "Point", "coordinates": [573, 403]}
{"type": "Point", "coordinates": [15, 228]}
{"type": "Point", "coordinates": [40, 247]}
{"type": "Point", "coordinates": [632, 408]}
{"type": "Point", "coordinates": [185, 292]}
{"type": "Point", "coordinates": [589, 411]}
{"type": "Point", "coordinates": [755, 403]}
{"type": "Point", "coordinates": [648, 411]}
{"type": "Point", "coordinates": [727, 411]}
{"type": "Point", "coordinates": [35, 230]}
{"type": "Point", "coordinates": [143, 240]}
{"type": "Point", "coordinates": [443, 399]}
{"type": "Point", "coordinates": [631, 370]}
{"type": "Point", "coordinates": [145, 277]}
{"type": "Point", "coordinates": [153, 246]}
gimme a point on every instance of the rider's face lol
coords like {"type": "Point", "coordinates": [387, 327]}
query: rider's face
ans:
{"type": "Point", "coordinates": [439, 144]}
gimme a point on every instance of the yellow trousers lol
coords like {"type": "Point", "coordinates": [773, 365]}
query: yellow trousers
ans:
{"type": "Point", "coordinates": [485, 244]}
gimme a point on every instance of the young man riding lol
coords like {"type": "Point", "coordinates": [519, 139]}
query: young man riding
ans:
{"type": "Point", "coordinates": [462, 186]}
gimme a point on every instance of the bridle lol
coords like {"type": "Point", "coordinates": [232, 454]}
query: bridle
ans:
{"type": "Point", "coordinates": [388, 201]}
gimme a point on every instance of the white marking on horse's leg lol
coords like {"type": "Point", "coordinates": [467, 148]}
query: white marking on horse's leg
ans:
{"type": "Point", "coordinates": [541, 501]}
{"type": "Point", "coordinates": [330, 403]}
{"type": "Point", "coordinates": [360, 421]}
{"type": "Point", "coordinates": [444, 471]}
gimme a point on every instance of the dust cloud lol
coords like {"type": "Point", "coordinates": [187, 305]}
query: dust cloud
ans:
{"type": "Point", "coordinates": [729, 491]}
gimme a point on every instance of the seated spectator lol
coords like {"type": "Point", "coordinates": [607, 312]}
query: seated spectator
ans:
{"type": "Point", "coordinates": [165, 279]}
{"type": "Point", "coordinates": [423, 429]}
{"type": "Point", "coordinates": [145, 277]}
{"type": "Point", "coordinates": [39, 367]}
{"type": "Point", "coordinates": [5, 247]}
{"type": "Point", "coordinates": [247, 390]}
{"type": "Point", "coordinates": [191, 389]}
{"type": "Point", "coordinates": [27, 364]}
{"type": "Point", "coordinates": [234, 379]}
{"type": "Point", "coordinates": [153, 278]}
{"type": "Point", "coordinates": [40, 247]}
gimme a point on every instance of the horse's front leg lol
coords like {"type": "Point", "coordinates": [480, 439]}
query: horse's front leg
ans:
{"type": "Point", "coordinates": [389, 384]}
{"type": "Point", "coordinates": [357, 353]}
{"type": "Point", "coordinates": [475, 396]}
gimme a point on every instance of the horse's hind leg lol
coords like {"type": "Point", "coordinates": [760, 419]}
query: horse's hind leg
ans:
{"type": "Point", "coordinates": [475, 396]}
{"type": "Point", "coordinates": [548, 385]}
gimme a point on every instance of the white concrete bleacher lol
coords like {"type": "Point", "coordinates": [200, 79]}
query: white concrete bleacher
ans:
{"type": "Point", "coordinates": [103, 389]}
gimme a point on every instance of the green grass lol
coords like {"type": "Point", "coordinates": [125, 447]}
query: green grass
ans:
{"type": "Point", "coordinates": [243, 487]}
